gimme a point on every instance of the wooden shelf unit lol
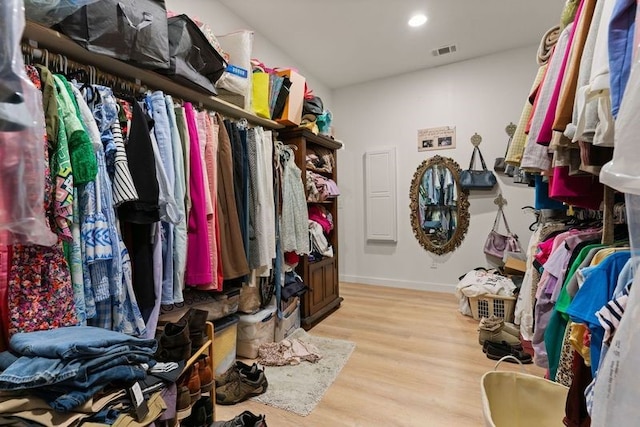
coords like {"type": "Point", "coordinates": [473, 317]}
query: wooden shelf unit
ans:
{"type": "Point", "coordinates": [323, 296]}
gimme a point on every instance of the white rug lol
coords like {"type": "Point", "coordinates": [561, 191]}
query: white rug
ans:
{"type": "Point", "coordinates": [300, 388]}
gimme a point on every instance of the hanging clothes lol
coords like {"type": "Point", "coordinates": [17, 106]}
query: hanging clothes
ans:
{"type": "Point", "coordinates": [234, 259]}
{"type": "Point", "coordinates": [179, 249]}
{"type": "Point", "coordinates": [295, 218]}
{"type": "Point", "coordinates": [39, 289]}
{"type": "Point", "coordinates": [213, 229]}
{"type": "Point", "coordinates": [137, 217]}
{"type": "Point", "coordinates": [261, 201]}
{"type": "Point", "coordinates": [198, 270]}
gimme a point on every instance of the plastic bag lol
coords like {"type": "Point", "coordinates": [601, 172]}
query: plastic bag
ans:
{"type": "Point", "coordinates": [615, 399]}
{"type": "Point", "coordinates": [237, 79]}
{"type": "Point", "coordinates": [616, 393]}
{"type": "Point", "coordinates": [51, 12]}
{"type": "Point", "coordinates": [22, 140]}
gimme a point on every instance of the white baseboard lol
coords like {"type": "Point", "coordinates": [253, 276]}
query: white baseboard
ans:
{"type": "Point", "coordinates": [403, 284]}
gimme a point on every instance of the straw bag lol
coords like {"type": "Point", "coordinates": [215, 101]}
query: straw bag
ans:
{"type": "Point", "coordinates": [518, 399]}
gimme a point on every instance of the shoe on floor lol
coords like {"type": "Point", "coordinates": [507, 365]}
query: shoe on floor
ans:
{"type": "Point", "coordinates": [245, 419]}
{"type": "Point", "coordinates": [501, 343]}
{"type": "Point", "coordinates": [246, 386]}
{"type": "Point", "coordinates": [512, 329]}
{"type": "Point", "coordinates": [233, 373]}
{"type": "Point", "coordinates": [497, 351]}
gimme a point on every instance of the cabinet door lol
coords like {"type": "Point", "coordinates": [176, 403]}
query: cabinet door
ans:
{"type": "Point", "coordinates": [330, 292]}
{"type": "Point", "coordinates": [316, 288]}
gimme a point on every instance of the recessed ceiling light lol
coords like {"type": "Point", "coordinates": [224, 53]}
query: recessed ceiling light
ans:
{"type": "Point", "coordinates": [417, 20]}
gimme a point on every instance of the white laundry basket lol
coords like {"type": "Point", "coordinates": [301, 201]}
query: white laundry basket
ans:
{"type": "Point", "coordinates": [517, 399]}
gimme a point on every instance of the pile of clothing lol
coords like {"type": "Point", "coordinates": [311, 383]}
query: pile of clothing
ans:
{"type": "Point", "coordinates": [66, 369]}
{"type": "Point", "coordinates": [320, 188]}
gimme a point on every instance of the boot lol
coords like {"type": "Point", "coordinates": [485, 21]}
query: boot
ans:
{"type": "Point", "coordinates": [492, 329]}
{"type": "Point", "coordinates": [205, 373]}
{"type": "Point", "coordinates": [197, 320]}
{"type": "Point", "coordinates": [174, 344]}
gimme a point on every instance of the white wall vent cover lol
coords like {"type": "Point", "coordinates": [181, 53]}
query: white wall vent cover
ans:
{"type": "Point", "coordinates": [444, 50]}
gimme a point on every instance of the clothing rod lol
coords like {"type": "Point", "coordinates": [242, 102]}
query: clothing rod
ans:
{"type": "Point", "coordinates": [39, 36]}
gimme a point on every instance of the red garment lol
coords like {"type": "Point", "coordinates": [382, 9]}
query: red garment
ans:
{"type": "Point", "coordinates": [4, 308]}
{"type": "Point", "coordinates": [319, 215]}
{"type": "Point", "coordinates": [576, 190]}
{"type": "Point", "coordinates": [545, 249]}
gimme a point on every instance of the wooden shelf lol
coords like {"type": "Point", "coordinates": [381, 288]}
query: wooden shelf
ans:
{"type": "Point", "coordinates": [56, 43]}
{"type": "Point", "coordinates": [305, 133]}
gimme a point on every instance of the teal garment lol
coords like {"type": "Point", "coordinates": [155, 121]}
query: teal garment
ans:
{"type": "Point", "coordinates": [564, 299]}
{"type": "Point", "coordinates": [83, 158]}
{"type": "Point", "coordinates": [554, 334]}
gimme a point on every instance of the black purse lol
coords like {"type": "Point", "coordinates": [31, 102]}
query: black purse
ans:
{"type": "Point", "coordinates": [483, 179]}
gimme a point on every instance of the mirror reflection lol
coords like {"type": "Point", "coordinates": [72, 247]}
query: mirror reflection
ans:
{"type": "Point", "coordinates": [438, 204]}
{"type": "Point", "coordinates": [439, 207]}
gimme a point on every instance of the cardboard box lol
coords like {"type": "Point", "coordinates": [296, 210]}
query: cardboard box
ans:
{"type": "Point", "coordinates": [515, 266]}
{"type": "Point", "coordinates": [292, 114]}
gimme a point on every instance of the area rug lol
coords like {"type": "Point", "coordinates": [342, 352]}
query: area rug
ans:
{"type": "Point", "coordinates": [300, 388]}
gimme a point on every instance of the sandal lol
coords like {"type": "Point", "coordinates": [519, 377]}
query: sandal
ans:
{"type": "Point", "coordinates": [497, 351]}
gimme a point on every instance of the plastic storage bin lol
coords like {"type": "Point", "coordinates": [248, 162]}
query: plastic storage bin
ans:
{"type": "Point", "coordinates": [225, 336]}
{"type": "Point", "coordinates": [493, 305]}
{"type": "Point", "coordinates": [256, 329]}
{"type": "Point", "coordinates": [290, 320]}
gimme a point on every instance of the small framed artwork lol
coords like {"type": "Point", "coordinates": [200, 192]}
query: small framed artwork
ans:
{"type": "Point", "coordinates": [441, 138]}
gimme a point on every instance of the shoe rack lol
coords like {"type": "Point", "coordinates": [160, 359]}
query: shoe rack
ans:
{"type": "Point", "coordinates": [207, 348]}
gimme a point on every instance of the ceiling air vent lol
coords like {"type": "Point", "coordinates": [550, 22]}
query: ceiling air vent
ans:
{"type": "Point", "coordinates": [444, 50]}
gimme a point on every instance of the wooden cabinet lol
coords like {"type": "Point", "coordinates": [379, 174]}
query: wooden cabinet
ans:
{"type": "Point", "coordinates": [321, 276]}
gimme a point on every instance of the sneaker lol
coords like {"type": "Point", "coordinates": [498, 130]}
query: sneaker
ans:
{"type": "Point", "coordinates": [233, 373]}
{"type": "Point", "coordinates": [246, 386]}
{"type": "Point", "coordinates": [245, 419]}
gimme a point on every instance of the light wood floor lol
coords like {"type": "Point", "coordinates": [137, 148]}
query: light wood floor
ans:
{"type": "Point", "coordinates": [417, 362]}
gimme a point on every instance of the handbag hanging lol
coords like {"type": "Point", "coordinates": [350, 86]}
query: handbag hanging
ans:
{"type": "Point", "coordinates": [497, 243]}
{"type": "Point", "coordinates": [500, 165]}
{"type": "Point", "coordinates": [483, 179]}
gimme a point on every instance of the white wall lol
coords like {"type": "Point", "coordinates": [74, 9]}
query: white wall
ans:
{"type": "Point", "coordinates": [481, 95]}
{"type": "Point", "coordinates": [223, 21]}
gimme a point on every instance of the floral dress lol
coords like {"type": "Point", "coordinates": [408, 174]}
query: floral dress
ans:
{"type": "Point", "coordinates": [40, 294]}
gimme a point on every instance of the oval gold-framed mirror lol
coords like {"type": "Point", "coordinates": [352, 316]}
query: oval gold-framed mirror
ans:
{"type": "Point", "coordinates": [439, 206]}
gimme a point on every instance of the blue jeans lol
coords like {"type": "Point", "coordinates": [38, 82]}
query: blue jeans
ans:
{"type": "Point", "coordinates": [64, 400]}
{"type": "Point", "coordinates": [162, 132]}
{"type": "Point", "coordinates": [34, 372]}
{"type": "Point", "coordinates": [76, 342]}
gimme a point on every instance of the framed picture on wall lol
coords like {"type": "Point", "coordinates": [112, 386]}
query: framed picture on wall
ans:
{"type": "Point", "coordinates": [441, 138]}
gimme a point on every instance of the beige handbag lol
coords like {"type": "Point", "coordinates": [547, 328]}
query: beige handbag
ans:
{"type": "Point", "coordinates": [517, 399]}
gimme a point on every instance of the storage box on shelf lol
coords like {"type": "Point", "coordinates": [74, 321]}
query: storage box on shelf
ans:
{"type": "Point", "coordinates": [321, 276]}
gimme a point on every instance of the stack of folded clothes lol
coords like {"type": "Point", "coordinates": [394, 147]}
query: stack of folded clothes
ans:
{"type": "Point", "coordinates": [69, 370]}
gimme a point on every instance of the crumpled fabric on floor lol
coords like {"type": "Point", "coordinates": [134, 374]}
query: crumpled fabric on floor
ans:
{"type": "Point", "coordinates": [287, 352]}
